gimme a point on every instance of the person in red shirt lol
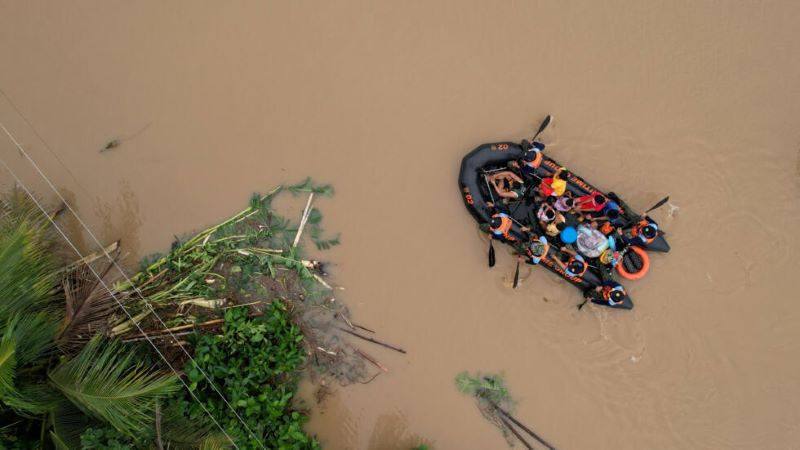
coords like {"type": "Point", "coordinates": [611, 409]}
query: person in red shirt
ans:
{"type": "Point", "coordinates": [594, 202]}
{"type": "Point", "coordinates": [555, 185]}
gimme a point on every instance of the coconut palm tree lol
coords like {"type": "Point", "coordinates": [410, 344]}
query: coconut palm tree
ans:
{"type": "Point", "coordinates": [59, 375]}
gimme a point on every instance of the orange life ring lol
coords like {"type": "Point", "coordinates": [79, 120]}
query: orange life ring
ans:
{"type": "Point", "coordinates": [642, 272]}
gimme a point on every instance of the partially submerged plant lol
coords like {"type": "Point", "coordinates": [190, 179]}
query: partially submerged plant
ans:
{"type": "Point", "coordinates": [223, 262]}
{"type": "Point", "coordinates": [488, 389]}
{"type": "Point", "coordinates": [72, 369]}
{"type": "Point", "coordinates": [494, 403]}
{"type": "Point", "coordinates": [249, 259]}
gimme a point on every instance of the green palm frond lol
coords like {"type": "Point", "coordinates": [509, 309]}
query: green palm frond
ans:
{"type": "Point", "coordinates": [109, 382]}
{"type": "Point", "coordinates": [31, 399]}
{"type": "Point", "coordinates": [16, 207]}
{"type": "Point", "coordinates": [216, 442]}
{"type": "Point", "coordinates": [34, 335]}
{"type": "Point", "coordinates": [178, 431]}
{"type": "Point", "coordinates": [25, 339]}
{"type": "Point", "coordinates": [58, 443]}
{"type": "Point", "coordinates": [26, 271]}
{"type": "Point", "coordinates": [68, 422]}
{"type": "Point", "coordinates": [8, 363]}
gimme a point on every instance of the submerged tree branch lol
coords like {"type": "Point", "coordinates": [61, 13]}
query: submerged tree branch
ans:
{"type": "Point", "coordinates": [374, 341]}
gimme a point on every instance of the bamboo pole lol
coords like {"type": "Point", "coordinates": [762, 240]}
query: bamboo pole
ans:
{"type": "Point", "coordinates": [322, 282]}
{"type": "Point", "coordinates": [516, 433]}
{"type": "Point", "coordinates": [520, 424]}
{"type": "Point", "coordinates": [303, 220]}
{"type": "Point", "coordinates": [88, 259]}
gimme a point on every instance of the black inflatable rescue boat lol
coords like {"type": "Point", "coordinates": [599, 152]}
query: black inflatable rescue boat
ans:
{"type": "Point", "coordinates": [476, 192]}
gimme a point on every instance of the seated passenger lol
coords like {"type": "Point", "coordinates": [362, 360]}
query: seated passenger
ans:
{"type": "Point", "coordinates": [555, 227]}
{"type": "Point", "coordinates": [591, 203]}
{"type": "Point", "coordinates": [507, 184]}
{"type": "Point", "coordinates": [565, 203]}
{"type": "Point", "coordinates": [611, 210]}
{"type": "Point", "coordinates": [555, 185]}
{"type": "Point", "coordinates": [546, 215]}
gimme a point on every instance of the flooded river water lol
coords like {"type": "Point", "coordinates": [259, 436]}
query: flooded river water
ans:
{"type": "Point", "coordinates": [696, 100]}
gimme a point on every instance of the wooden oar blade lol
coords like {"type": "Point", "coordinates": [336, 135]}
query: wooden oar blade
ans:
{"type": "Point", "coordinates": [545, 123]}
{"type": "Point", "coordinates": [516, 276]}
{"type": "Point", "coordinates": [659, 204]}
{"type": "Point", "coordinates": [491, 253]}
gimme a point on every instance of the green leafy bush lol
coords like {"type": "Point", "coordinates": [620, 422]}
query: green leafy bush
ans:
{"type": "Point", "coordinates": [104, 438]}
{"type": "Point", "coordinates": [255, 364]}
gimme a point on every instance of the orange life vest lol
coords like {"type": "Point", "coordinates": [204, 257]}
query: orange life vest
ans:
{"type": "Point", "coordinates": [537, 160]}
{"type": "Point", "coordinates": [573, 259]}
{"type": "Point", "coordinates": [504, 228]}
{"type": "Point", "coordinates": [636, 231]}
{"type": "Point", "coordinates": [607, 295]}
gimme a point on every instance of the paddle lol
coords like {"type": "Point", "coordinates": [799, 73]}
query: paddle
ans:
{"type": "Point", "coordinates": [584, 302]}
{"type": "Point", "coordinates": [544, 125]}
{"type": "Point", "coordinates": [656, 206]}
{"type": "Point", "coordinates": [516, 275]}
{"type": "Point", "coordinates": [491, 245]}
{"type": "Point", "coordinates": [659, 204]}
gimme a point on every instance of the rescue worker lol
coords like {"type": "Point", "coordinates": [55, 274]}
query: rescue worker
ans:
{"type": "Point", "coordinates": [575, 266]}
{"type": "Point", "coordinates": [610, 293]}
{"type": "Point", "coordinates": [500, 224]}
{"type": "Point", "coordinates": [641, 234]}
{"type": "Point", "coordinates": [531, 159]}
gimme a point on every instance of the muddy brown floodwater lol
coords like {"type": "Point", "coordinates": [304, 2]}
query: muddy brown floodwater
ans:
{"type": "Point", "coordinates": [696, 100]}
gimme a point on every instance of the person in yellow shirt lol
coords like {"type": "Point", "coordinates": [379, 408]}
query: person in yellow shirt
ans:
{"type": "Point", "coordinates": [555, 185]}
